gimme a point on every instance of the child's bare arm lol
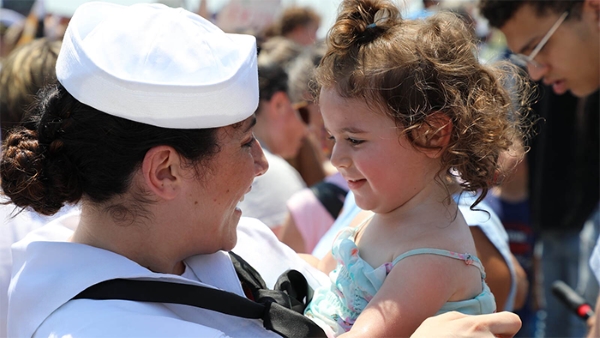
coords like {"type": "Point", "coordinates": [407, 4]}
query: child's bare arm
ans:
{"type": "Point", "coordinates": [415, 289]}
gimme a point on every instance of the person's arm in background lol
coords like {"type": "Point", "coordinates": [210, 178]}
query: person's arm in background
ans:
{"type": "Point", "coordinates": [592, 322]}
{"type": "Point", "coordinates": [497, 272]}
{"type": "Point", "coordinates": [522, 284]}
{"type": "Point", "coordinates": [203, 10]}
{"type": "Point", "coordinates": [456, 325]}
{"type": "Point", "coordinates": [291, 236]}
{"type": "Point", "coordinates": [310, 161]}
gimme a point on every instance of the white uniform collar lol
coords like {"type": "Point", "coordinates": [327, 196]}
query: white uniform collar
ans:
{"type": "Point", "coordinates": [72, 267]}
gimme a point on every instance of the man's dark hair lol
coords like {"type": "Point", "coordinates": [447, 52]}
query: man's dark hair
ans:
{"type": "Point", "coordinates": [498, 12]}
{"type": "Point", "coordinates": [272, 78]}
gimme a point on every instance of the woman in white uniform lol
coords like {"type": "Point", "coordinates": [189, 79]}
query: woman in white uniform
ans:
{"type": "Point", "coordinates": [150, 129]}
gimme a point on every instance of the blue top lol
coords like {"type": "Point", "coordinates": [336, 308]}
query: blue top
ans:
{"type": "Point", "coordinates": [355, 283]}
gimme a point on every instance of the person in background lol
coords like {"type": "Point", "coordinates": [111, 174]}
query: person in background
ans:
{"type": "Point", "coordinates": [299, 24]}
{"type": "Point", "coordinates": [593, 322]}
{"type": "Point", "coordinates": [559, 44]}
{"type": "Point", "coordinates": [407, 103]}
{"type": "Point", "coordinates": [280, 50]}
{"type": "Point", "coordinates": [25, 70]}
{"type": "Point", "coordinates": [301, 79]}
{"type": "Point", "coordinates": [280, 131]}
{"type": "Point", "coordinates": [312, 210]}
{"type": "Point", "coordinates": [309, 160]}
{"type": "Point", "coordinates": [8, 18]}
{"type": "Point", "coordinates": [510, 201]}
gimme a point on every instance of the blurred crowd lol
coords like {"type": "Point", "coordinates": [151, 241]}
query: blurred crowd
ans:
{"type": "Point", "coordinates": [542, 219]}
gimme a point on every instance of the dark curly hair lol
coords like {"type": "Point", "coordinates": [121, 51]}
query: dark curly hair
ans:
{"type": "Point", "coordinates": [76, 151]}
{"type": "Point", "coordinates": [498, 12]}
{"type": "Point", "coordinates": [411, 69]}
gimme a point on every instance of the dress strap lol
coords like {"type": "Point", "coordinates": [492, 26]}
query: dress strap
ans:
{"type": "Point", "coordinates": [467, 258]}
{"type": "Point", "coordinates": [361, 225]}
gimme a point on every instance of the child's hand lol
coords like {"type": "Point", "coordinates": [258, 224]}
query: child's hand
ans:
{"type": "Point", "coordinates": [455, 325]}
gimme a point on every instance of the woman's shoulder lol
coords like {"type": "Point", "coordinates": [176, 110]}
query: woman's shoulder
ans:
{"type": "Point", "coordinates": [89, 318]}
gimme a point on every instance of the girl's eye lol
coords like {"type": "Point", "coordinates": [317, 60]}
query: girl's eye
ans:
{"type": "Point", "coordinates": [330, 137]}
{"type": "Point", "coordinates": [354, 141]}
{"type": "Point", "coordinates": [249, 143]}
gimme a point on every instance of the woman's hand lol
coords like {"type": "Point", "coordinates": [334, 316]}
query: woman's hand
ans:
{"type": "Point", "coordinates": [455, 325]}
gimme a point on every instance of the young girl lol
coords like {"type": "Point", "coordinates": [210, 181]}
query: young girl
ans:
{"type": "Point", "coordinates": [409, 107]}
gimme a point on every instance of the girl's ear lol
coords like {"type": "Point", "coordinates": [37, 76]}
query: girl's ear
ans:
{"type": "Point", "coordinates": [161, 169]}
{"type": "Point", "coordinates": [433, 137]}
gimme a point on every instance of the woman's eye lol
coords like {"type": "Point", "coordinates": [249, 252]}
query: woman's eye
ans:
{"type": "Point", "coordinates": [249, 143]}
{"type": "Point", "coordinates": [330, 137]}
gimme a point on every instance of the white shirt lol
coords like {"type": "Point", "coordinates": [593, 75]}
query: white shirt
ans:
{"type": "Point", "coordinates": [12, 230]}
{"type": "Point", "coordinates": [270, 192]}
{"type": "Point", "coordinates": [48, 272]}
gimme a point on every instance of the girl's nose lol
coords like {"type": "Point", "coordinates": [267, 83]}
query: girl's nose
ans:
{"type": "Point", "coordinates": [338, 158]}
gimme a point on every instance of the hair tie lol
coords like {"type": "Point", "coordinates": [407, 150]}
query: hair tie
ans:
{"type": "Point", "coordinates": [381, 15]}
{"type": "Point", "coordinates": [371, 33]}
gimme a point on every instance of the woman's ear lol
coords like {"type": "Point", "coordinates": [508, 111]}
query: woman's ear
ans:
{"type": "Point", "coordinates": [161, 170]}
{"type": "Point", "coordinates": [434, 135]}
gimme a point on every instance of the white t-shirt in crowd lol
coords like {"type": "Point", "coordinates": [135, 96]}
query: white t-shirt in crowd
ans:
{"type": "Point", "coordinates": [270, 192]}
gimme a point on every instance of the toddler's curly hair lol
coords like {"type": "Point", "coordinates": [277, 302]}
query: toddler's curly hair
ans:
{"type": "Point", "coordinates": [412, 69]}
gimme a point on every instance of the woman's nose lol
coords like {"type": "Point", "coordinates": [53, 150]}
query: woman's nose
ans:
{"type": "Point", "coordinates": [260, 161]}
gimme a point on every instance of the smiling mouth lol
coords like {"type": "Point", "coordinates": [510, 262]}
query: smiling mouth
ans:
{"type": "Point", "coordinates": [244, 195]}
{"type": "Point", "coordinates": [355, 184]}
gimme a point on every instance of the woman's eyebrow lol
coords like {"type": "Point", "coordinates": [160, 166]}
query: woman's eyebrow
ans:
{"type": "Point", "coordinates": [251, 124]}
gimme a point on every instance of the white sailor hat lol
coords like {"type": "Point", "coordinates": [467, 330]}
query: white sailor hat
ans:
{"type": "Point", "coordinates": [158, 65]}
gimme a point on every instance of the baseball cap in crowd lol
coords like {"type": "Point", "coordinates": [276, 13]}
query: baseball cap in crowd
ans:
{"type": "Point", "coordinates": [158, 65]}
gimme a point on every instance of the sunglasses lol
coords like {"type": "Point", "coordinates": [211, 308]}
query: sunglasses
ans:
{"type": "Point", "coordinates": [527, 60]}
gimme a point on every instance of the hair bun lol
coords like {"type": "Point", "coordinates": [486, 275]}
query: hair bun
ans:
{"type": "Point", "coordinates": [359, 23]}
{"type": "Point", "coordinates": [22, 166]}
{"type": "Point", "coordinates": [382, 16]}
{"type": "Point", "coordinates": [379, 25]}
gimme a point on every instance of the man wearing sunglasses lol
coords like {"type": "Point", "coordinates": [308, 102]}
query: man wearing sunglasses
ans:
{"type": "Point", "coordinates": [558, 42]}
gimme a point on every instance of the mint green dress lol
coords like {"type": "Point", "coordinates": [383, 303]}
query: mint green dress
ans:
{"type": "Point", "coordinates": [355, 282]}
